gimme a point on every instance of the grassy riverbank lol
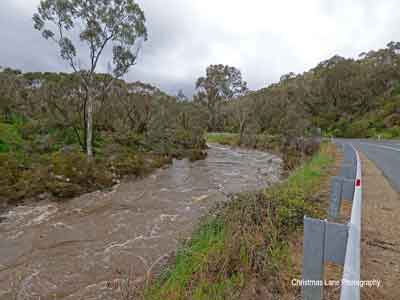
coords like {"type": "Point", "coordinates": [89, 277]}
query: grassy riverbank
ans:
{"type": "Point", "coordinates": [247, 240]}
{"type": "Point", "coordinates": [231, 139]}
{"type": "Point", "coordinates": [40, 162]}
{"type": "Point", "coordinates": [293, 151]}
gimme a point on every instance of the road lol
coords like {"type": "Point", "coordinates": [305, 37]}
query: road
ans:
{"type": "Point", "coordinates": [384, 153]}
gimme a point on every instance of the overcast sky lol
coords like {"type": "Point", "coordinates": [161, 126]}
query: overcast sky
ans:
{"type": "Point", "coordinates": [263, 38]}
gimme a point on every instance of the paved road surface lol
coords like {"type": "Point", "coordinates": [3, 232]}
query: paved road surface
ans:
{"type": "Point", "coordinates": [385, 154]}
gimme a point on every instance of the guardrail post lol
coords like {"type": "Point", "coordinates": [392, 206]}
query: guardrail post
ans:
{"type": "Point", "coordinates": [336, 197]}
{"type": "Point", "coordinates": [313, 258]}
{"type": "Point", "coordinates": [348, 171]}
{"type": "Point", "coordinates": [335, 242]}
{"type": "Point", "coordinates": [332, 242]}
{"type": "Point", "coordinates": [348, 189]}
{"type": "Point", "coordinates": [323, 242]}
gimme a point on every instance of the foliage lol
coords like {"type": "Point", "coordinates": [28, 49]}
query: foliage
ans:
{"type": "Point", "coordinates": [42, 135]}
{"type": "Point", "coordinates": [339, 97]}
{"type": "Point", "coordinates": [98, 24]}
{"type": "Point", "coordinates": [10, 138]}
{"type": "Point", "coordinates": [221, 83]}
{"type": "Point", "coordinates": [247, 238]}
{"type": "Point", "coordinates": [118, 22]}
{"type": "Point", "coordinates": [294, 151]}
{"type": "Point", "coordinates": [223, 138]}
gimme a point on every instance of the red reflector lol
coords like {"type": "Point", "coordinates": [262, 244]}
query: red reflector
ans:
{"type": "Point", "coordinates": [358, 182]}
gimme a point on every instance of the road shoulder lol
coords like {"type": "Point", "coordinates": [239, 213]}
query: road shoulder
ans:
{"type": "Point", "coordinates": [380, 234]}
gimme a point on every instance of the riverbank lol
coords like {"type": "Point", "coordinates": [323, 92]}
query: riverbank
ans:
{"type": "Point", "coordinates": [36, 166]}
{"type": "Point", "coordinates": [87, 247]}
{"type": "Point", "coordinates": [245, 250]}
{"type": "Point", "coordinates": [293, 151]}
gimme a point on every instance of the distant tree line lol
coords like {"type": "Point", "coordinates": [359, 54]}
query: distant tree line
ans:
{"type": "Point", "coordinates": [128, 112]}
{"type": "Point", "coordinates": [339, 97]}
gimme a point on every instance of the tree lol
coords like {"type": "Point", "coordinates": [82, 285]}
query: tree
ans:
{"type": "Point", "coordinates": [242, 112]}
{"type": "Point", "coordinates": [221, 83]}
{"type": "Point", "coordinates": [181, 96]}
{"type": "Point", "coordinates": [60, 95]}
{"type": "Point", "coordinates": [10, 91]}
{"type": "Point", "coordinates": [98, 25]}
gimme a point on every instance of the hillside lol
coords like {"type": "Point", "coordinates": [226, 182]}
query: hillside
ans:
{"type": "Point", "coordinates": [340, 97]}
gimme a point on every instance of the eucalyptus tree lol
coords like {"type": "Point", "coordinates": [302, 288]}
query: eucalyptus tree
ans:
{"type": "Point", "coordinates": [10, 91]}
{"type": "Point", "coordinates": [242, 111]}
{"type": "Point", "coordinates": [221, 83]}
{"type": "Point", "coordinates": [93, 26]}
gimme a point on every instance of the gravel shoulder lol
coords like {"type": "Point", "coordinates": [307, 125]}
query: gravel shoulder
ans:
{"type": "Point", "coordinates": [380, 234]}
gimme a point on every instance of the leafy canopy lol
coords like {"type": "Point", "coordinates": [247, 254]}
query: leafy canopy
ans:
{"type": "Point", "coordinates": [221, 82]}
{"type": "Point", "coordinates": [97, 23]}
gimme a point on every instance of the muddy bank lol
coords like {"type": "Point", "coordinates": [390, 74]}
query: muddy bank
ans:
{"type": "Point", "coordinates": [80, 249]}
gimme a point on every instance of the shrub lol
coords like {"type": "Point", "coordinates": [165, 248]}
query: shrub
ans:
{"type": "Point", "coordinates": [296, 150]}
{"type": "Point", "coordinates": [10, 138]}
{"type": "Point", "coordinates": [197, 154]}
{"type": "Point", "coordinates": [357, 129]}
{"type": "Point", "coordinates": [246, 238]}
{"type": "Point", "coordinates": [128, 163]}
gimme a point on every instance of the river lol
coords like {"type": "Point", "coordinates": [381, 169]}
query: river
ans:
{"type": "Point", "coordinates": [86, 247]}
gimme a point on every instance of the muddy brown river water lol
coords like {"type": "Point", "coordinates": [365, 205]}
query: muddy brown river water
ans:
{"type": "Point", "coordinates": [84, 248]}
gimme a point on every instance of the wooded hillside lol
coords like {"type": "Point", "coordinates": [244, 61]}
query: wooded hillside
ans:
{"type": "Point", "coordinates": [340, 97]}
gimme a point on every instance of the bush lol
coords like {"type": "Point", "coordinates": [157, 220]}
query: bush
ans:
{"type": "Point", "coordinates": [132, 140]}
{"type": "Point", "coordinates": [357, 129]}
{"type": "Point", "coordinates": [296, 150]}
{"type": "Point", "coordinates": [10, 138]}
{"type": "Point", "coordinates": [231, 139]}
{"type": "Point", "coordinates": [128, 163]}
{"type": "Point", "coordinates": [247, 238]}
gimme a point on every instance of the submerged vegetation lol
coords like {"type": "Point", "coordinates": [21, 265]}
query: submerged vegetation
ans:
{"type": "Point", "coordinates": [247, 238]}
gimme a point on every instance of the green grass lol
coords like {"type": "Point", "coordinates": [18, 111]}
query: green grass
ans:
{"type": "Point", "coordinates": [231, 139]}
{"type": "Point", "coordinates": [192, 259]}
{"type": "Point", "coordinates": [10, 139]}
{"type": "Point", "coordinates": [42, 160]}
{"type": "Point", "coordinates": [248, 238]}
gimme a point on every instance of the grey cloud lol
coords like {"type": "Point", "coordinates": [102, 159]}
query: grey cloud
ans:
{"type": "Point", "coordinates": [264, 39]}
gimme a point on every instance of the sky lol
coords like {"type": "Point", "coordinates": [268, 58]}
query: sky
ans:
{"type": "Point", "coordinates": [263, 38]}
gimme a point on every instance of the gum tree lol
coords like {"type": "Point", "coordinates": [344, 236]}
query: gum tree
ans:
{"type": "Point", "coordinates": [93, 26]}
{"type": "Point", "coordinates": [221, 83]}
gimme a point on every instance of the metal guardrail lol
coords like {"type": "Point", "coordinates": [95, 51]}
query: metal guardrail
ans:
{"type": "Point", "coordinates": [328, 241]}
{"type": "Point", "coordinates": [351, 273]}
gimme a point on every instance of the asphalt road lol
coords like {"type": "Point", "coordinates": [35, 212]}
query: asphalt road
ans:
{"type": "Point", "coordinates": [384, 153]}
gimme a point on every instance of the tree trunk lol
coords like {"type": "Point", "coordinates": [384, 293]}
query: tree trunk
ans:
{"type": "Point", "coordinates": [85, 122]}
{"type": "Point", "coordinates": [212, 119]}
{"type": "Point", "coordinates": [89, 124]}
{"type": "Point", "coordinates": [241, 131]}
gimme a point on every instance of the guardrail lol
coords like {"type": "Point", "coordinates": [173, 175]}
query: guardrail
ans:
{"type": "Point", "coordinates": [328, 241]}
{"type": "Point", "coordinates": [351, 272]}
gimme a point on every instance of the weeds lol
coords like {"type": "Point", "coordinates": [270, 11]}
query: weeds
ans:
{"type": "Point", "coordinates": [294, 151]}
{"type": "Point", "coordinates": [49, 164]}
{"type": "Point", "coordinates": [231, 139]}
{"type": "Point", "coordinates": [247, 238]}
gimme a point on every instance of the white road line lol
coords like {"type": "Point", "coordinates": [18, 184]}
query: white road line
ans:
{"type": "Point", "coordinates": [381, 146]}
